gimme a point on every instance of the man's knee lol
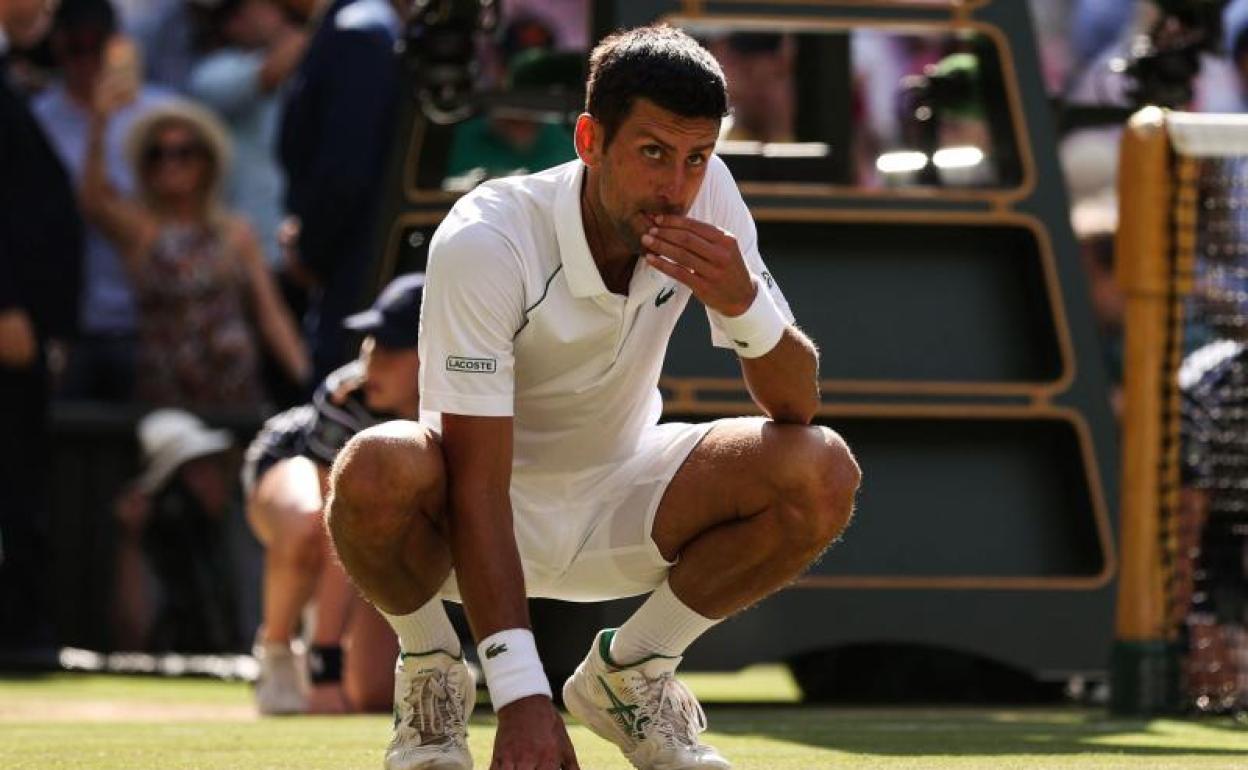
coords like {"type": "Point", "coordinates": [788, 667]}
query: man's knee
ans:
{"type": "Point", "coordinates": [819, 482]}
{"type": "Point", "coordinates": [382, 476]}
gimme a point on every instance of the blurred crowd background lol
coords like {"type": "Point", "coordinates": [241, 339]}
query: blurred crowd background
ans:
{"type": "Point", "coordinates": [188, 190]}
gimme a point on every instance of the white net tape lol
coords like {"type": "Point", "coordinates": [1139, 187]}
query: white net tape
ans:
{"type": "Point", "coordinates": [1208, 136]}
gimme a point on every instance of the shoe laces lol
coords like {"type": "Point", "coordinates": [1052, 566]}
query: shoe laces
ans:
{"type": "Point", "coordinates": [434, 709]}
{"type": "Point", "coordinates": [669, 711]}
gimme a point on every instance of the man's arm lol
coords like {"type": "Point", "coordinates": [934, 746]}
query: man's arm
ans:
{"type": "Point", "coordinates": [478, 453]}
{"type": "Point", "coordinates": [783, 381]}
{"type": "Point", "coordinates": [483, 543]}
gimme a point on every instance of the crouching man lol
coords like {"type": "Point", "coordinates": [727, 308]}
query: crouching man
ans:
{"type": "Point", "coordinates": [540, 468]}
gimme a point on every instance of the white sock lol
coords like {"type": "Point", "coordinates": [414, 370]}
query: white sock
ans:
{"type": "Point", "coordinates": [664, 625]}
{"type": "Point", "coordinates": [425, 630]}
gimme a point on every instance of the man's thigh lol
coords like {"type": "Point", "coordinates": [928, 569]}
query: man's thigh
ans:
{"type": "Point", "coordinates": [738, 470]}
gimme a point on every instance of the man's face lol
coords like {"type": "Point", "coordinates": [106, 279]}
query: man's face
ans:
{"type": "Point", "coordinates": [391, 377]}
{"type": "Point", "coordinates": [80, 52]}
{"type": "Point", "coordinates": [25, 21]}
{"type": "Point", "coordinates": [757, 85]}
{"type": "Point", "coordinates": [654, 164]}
{"type": "Point", "coordinates": [210, 479]}
{"type": "Point", "coordinates": [254, 24]}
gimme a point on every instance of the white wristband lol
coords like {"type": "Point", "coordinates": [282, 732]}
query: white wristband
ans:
{"type": "Point", "coordinates": [511, 666]}
{"type": "Point", "coordinates": [756, 331]}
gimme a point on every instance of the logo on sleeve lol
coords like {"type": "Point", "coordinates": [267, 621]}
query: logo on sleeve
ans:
{"type": "Point", "coordinates": [664, 296]}
{"type": "Point", "coordinates": [767, 279]}
{"type": "Point", "coordinates": [471, 365]}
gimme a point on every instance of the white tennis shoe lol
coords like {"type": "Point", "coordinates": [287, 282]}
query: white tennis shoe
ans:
{"type": "Point", "coordinates": [280, 688]}
{"type": "Point", "coordinates": [642, 708]}
{"type": "Point", "coordinates": [433, 697]}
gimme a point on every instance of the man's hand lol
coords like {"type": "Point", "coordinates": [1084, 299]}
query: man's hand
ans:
{"type": "Point", "coordinates": [18, 344]}
{"type": "Point", "coordinates": [531, 736]}
{"type": "Point", "coordinates": [119, 80]}
{"type": "Point", "coordinates": [704, 258]}
{"type": "Point", "coordinates": [288, 233]}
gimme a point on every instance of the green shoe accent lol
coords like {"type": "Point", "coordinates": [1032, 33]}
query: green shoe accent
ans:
{"type": "Point", "coordinates": [623, 714]}
{"type": "Point", "coordinates": [604, 650]}
{"type": "Point", "coordinates": [604, 645]}
{"type": "Point", "coordinates": [427, 653]}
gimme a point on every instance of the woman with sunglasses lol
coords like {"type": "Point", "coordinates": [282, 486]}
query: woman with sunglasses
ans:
{"type": "Point", "coordinates": [197, 270]}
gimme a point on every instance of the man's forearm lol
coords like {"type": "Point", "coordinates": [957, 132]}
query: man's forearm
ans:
{"type": "Point", "coordinates": [487, 562]}
{"type": "Point", "coordinates": [785, 382]}
{"type": "Point", "coordinates": [491, 584]}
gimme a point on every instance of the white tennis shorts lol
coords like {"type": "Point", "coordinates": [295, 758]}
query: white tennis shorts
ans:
{"type": "Point", "coordinates": [586, 536]}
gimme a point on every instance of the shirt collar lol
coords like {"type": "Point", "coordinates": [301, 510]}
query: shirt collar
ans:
{"type": "Point", "coordinates": [579, 267]}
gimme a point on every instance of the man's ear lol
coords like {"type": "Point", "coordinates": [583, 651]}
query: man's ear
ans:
{"type": "Point", "coordinates": [588, 139]}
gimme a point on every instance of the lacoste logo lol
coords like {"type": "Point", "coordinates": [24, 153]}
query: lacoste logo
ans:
{"type": "Point", "coordinates": [664, 296]}
{"type": "Point", "coordinates": [741, 343]}
{"type": "Point", "coordinates": [471, 365]}
{"type": "Point", "coordinates": [494, 650]}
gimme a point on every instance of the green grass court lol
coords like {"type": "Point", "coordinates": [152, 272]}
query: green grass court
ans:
{"type": "Point", "coordinates": [117, 723]}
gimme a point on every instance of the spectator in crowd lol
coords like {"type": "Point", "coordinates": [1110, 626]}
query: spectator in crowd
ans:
{"type": "Point", "coordinates": [40, 264]}
{"type": "Point", "coordinates": [259, 47]}
{"type": "Point", "coordinates": [197, 269]}
{"type": "Point", "coordinates": [164, 31]}
{"type": "Point", "coordinates": [1210, 581]}
{"type": "Point", "coordinates": [175, 588]}
{"type": "Point", "coordinates": [568, 20]}
{"type": "Point", "coordinates": [336, 131]}
{"type": "Point", "coordinates": [1235, 43]}
{"type": "Point", "coordinates": [1095, 25]}
{"type": "Point", "coordinates": [1095, 220]}
{"type": "Point", "coordinates": [501, 144]}
{"type": "Point", "coordinates": [286, 478]}
{"type": "Point", "coordinates": [759, 70]}
{"type": "Point", "coordinates": [101, 360]}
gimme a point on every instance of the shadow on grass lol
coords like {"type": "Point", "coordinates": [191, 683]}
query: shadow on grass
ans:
{"type": "Point", "coordinates": [957, 732]}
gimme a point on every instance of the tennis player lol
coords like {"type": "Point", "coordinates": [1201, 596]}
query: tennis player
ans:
{"type": "Point", "coordinates": [539, 467]}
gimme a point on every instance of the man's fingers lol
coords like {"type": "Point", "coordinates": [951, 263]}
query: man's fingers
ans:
{"type": "Point", "coordinates": [569, 755]}
{"type": "Point", "coordinates": [676, 271]}
{"type": "Point", "coordinates": [689, 239]}
{"type": "Point", "coordinates": [677, 253]}
{"type": "Point", "coordinates": [707, 231]}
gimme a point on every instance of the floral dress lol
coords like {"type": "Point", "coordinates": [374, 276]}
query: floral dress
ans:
{"type": "Point", "coordinates": [197, 345]}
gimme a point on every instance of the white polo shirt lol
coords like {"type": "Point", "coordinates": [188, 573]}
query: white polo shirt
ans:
{"type": "Point", "coordinates": [516, 320]}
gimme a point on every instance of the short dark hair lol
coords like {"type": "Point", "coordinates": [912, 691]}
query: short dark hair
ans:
{"type": "Point", "coordinates": [75, 15]}
{"type": "Point", "coordinates": [659, 63]}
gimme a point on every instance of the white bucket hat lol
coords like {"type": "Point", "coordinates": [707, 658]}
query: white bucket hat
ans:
{"type": "Point", "coordinates": [171, 437]}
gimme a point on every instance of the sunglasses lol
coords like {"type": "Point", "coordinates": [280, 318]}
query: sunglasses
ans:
{"type": "Point", "coordinates": [181, 152]}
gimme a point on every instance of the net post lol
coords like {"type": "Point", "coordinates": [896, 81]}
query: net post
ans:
{"type": "Point", "coordinates": [1144, 667]}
